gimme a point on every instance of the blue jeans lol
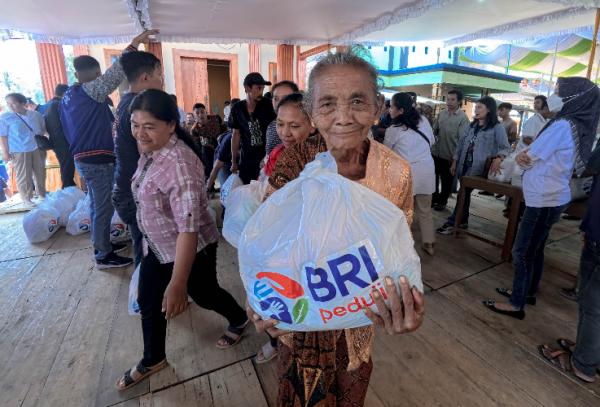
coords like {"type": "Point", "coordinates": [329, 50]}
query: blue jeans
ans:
{"type": "Point", "coordinates": [465, 214]}
{"type": "Point", "coordinates": [587, 352]}
{"type": "Point", "coordinates": [99, 180]}
{"type": "Point", "coordinates": [223, 174]}
{"type": "Point", "coordinates": [122, 200]}
{"type": "Point", "coordinates": [528, 251]}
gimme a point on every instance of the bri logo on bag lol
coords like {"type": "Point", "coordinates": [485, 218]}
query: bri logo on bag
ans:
{"type": "Point", "coordinates": [267, 284]}
{"type": "Point", "coordinates": [329, 284]}
{"type": "Point", "coordinates": [52, 224]}
{"type": "Point", "coordinates": [117, 229]}
{"type": "Point", "coordinates": [339, 275]}
{"type": "Point", "coordinates": [84, 225]}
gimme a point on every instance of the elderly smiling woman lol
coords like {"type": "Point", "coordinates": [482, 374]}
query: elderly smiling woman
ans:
{"type": "Point", "coordinates": [332, 368]}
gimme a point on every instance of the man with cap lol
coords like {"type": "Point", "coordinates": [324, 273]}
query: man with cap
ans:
{"type": "Point", "coordinates": [249, 121]}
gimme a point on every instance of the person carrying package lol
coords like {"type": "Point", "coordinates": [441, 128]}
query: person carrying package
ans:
{"type": "Point", "coordinates": [335, 366]}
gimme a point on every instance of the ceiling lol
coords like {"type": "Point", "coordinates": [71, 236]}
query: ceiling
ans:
{"type": "Point", "coordinates": [292, 21]}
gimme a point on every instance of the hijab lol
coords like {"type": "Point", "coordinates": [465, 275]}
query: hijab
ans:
{"type": "Point", "coordinates": [581, 109]}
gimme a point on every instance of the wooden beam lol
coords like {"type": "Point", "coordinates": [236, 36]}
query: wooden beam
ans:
{"type": "Point", "coordinates": [314, 51]}
{"type": "Point", "coordinates": [594, 41]}
{"type": "Point", "coordinates": [285, 63]}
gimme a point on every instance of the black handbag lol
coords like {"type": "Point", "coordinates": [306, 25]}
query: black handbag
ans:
{"type": "Point", "coordinates": [43, 142]}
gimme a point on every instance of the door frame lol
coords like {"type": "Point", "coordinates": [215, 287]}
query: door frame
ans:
{"type": "Point", "coordinates": [220, 56]}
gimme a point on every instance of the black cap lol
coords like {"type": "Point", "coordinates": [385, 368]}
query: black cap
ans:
{"type": "Point", "coordinates": [254, 78]}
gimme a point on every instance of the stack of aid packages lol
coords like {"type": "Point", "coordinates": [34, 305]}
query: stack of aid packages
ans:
{"type": "Point", "coordinates": [313, 252]}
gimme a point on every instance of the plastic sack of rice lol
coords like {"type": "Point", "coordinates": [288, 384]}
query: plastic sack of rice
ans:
{"type": "Point", "coordinates": [80, 219]}
{"type": "Point", "coordinates": [41, 223]}
{"type": "Point", "coordinates": [243, 203]}
{"type": "Point", "coordinates": [313, 252]}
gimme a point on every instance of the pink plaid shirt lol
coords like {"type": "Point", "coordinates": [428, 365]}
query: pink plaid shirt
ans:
{"type": "Point", "coordinates": [171, 198]}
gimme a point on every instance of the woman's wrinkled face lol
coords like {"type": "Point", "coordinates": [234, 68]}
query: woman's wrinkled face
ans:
{"type": "Point", "coordinates": [293, 125]}
{"type": "Point", "coordinates": [151, 134]}
{"type": "Point", "coordinates": [345, 106]}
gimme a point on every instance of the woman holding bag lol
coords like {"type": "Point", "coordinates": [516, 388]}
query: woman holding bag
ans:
{"type": "Point", "coordinates": [411, 137]}
{"type": "Point", "coordinates": [180, 236]}
{"type": "Point", "coordinates": [333, 368]}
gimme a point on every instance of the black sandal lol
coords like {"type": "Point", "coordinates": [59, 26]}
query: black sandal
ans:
{"type": "Point", "coordinates": [230, 342]}
{"type": "Point", "coordinates": [491, 305]}
{"type": "Point", "coordinates": [128, 381]}
{"type": "Point", "coordinates": [505, 292]}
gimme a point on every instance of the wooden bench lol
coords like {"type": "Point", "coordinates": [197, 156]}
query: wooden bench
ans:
{"type": "Point", "coordinates": [508, 190]}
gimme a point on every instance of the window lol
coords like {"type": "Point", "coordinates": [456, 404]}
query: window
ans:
{"type": "Point", "coordinates": [426, 50]}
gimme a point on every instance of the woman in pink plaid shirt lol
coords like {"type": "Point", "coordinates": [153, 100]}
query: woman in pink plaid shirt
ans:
{"type": "Point", "coordinates": [180, 236]}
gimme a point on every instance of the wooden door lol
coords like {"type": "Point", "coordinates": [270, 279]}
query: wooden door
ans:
{"type": "Point", "coordinates": [194, 81]}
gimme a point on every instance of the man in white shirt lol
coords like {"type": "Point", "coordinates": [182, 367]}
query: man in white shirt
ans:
{"type": "Point", "coordinates": [536, 123]}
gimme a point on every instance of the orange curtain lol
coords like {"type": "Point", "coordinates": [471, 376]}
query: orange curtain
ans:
{"type": "Point", "coordinates": [254, 57]}
{"type": "Point", "coordinates": [52, 67]}
{"type": "Point", "coordinates": [285, 62]}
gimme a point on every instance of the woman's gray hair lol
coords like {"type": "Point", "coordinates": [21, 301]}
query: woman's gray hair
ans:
{"type": "Point", "coordinates": [351, 56]}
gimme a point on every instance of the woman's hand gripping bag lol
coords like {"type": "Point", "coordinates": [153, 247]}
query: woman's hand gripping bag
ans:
{"type": "Point", "coordinates": [313, 252]}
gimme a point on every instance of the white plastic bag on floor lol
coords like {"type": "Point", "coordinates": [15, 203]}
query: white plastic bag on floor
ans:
{"type": "Point", "coordinates": [132, 305]}
{"type": "Point", "coordinates": [506, 170]}
{"type": "Point", "coordinates": [41, 223]}
{"type": "Point", "coordinates": [80, 220]}
{"type": "Point", "coordinates": [243, 202]}
{"type": "Point", "coordinates": [311, 254]}
{"type": "Point", "coordinates": [119, 231]}
{"type": "Point", "coordinates": [65, 201]}
{"type": "Point", "coordinates": [232, 183]}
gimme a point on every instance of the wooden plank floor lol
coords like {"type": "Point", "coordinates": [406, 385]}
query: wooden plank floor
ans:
{"type": "Point", "coordinates": [65, 335]}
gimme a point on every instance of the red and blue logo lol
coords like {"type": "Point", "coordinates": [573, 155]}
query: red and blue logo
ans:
{"type": "Point", "coordinates": [264, 289]}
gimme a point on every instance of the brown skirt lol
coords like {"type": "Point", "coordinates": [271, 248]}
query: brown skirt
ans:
{"type": "Point", "coordinates": [306, 383]}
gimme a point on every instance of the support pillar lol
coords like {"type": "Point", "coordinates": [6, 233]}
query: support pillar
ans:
{"type": "Point", "coordinates": [79, 50]}
{"type": "Point", "coordinates": [254, 57]}
{"type": "Point", "coordinates": [51, 60]}
{"type": "Point", "coordinates": [285, 63]}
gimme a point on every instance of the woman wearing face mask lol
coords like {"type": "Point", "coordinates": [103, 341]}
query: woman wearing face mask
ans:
{"type": "Point", "coordinates": [180, 236]}
{"type": "Point", "coordinates": [562, 148]}
{"type": "Point", "coordinates": [485, 138]}
{"type": "Point", "coordinates": [411, 137]}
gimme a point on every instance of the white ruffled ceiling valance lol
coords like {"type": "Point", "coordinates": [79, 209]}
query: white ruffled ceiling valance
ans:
{"type": "Point", "coordinates": [290, 21]}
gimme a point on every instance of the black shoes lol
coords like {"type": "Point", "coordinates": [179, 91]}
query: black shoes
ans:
{"type": "Point", "coordinates": [113, 261]}
{"type": "Point", "coordinates": [491, 305]}
{"type": "Point", "coordinates": [507, 293]}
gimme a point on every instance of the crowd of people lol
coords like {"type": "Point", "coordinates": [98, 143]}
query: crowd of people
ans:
{"type": "Point", "coordinates": [156, 166]}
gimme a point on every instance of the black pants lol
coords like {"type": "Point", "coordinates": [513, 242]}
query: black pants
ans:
{"type": "Point", "coordinates": [67, 166]}
{"type": "Point", "coordinates": [203, 287]}
{"type": "Point", "coordinates": [443, 176]}
{"type": "Point", "coordinates": [208, 158]}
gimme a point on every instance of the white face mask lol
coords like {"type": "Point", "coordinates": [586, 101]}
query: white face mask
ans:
{"type": "Point", "coordinates": [555, 103]}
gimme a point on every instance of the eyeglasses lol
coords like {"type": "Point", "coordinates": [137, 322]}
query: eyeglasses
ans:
{"type": "Point", "coordinates": [355, 106]}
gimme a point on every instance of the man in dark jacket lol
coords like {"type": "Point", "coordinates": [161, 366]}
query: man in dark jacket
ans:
{"type": "Point", "coordinates": [57, 137]}
{"type": "Point", "coordinates": [87, 123]}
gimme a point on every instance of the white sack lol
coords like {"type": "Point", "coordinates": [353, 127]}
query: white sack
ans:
{"type": "Point", "coordinates": [41, 223]}
{"type": "Point", "coordinates": [232, 183]}
{"type": "Point", "coordinates": [80, 220]}
{"type": "Point", "coordinates": [242, 203]}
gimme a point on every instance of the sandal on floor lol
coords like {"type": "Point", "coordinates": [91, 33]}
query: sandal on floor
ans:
{"type": "Point", "coordinates": [266, 354]}
{"type": "Point", "coordinates": [126, 381]}
{"type": "Point", "coordinates": [561, 360]}
{"type": "Point", "coordinates": [506, 292]}
{"type": "Point", "coordinates": [230, 340]}
{"type": "Point", "coordinates": [491, 305]}
{"type": "Point", "coordinates": [566, 344]}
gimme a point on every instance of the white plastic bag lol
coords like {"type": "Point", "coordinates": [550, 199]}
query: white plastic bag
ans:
{"type": "Point", "coordinates": [232, 183]}
{"type": "Point", "coordinates": [65, 201]}
{"type": "Point", "coordinates": [506, 170]}
{"type": "Point", "coordinates": [80, 220]}
{"type": "Point", "coordinates": [119, 231]}
{"type": "Point", "coordinates": [132, 305]}
{"type": "Point", "coordinates": [41, 223]}
{"type": "Point", "coordinates": [243, 202]}
{"type": "Point", "coordinates": [312, 253]}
